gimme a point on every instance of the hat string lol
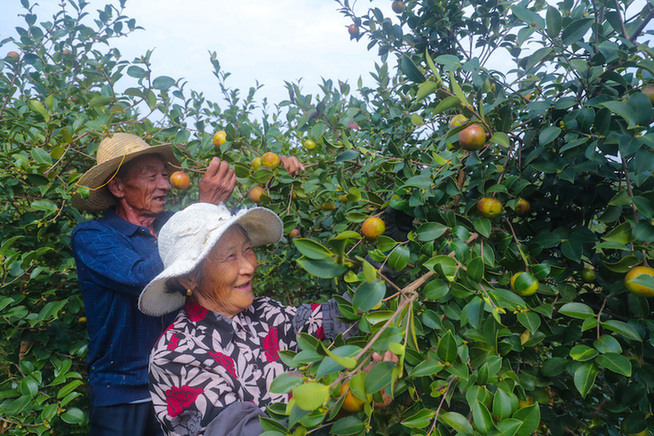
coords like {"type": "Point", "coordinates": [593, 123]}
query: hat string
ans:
{"type": "Point", "coordinates": [77, 185]}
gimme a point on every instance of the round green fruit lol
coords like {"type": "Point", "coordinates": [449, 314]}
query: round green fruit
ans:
{"type": "Point", "coordinates": [524, 283]}
{"type": "Point", "coordinates": [309, 144]}
{"type": "Point", "coordinates": [489, 207]}
{"type": "Point", "coordinates": [588, 275]}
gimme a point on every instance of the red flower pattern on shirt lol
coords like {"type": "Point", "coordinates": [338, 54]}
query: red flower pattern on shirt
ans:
{"type": "Point", "coordinates": [225, 361]}
{"type": "Point", "coordinates": [271, 345]}
{"type": "Point", "coordinates": [173, 343]}
{"type": "Point", "coordinates": [177, 399]}
{"type": "Point", "coordinates": [195, 311]}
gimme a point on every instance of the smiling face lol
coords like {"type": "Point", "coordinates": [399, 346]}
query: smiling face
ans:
{"type": "Point", "coordinates": [141, 189]}
{"type": "Point", "coordinates": [225, 281]}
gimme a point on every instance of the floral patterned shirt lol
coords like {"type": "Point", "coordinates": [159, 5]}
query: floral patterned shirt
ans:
{"type": "Point", "coordinates": [205, 362]}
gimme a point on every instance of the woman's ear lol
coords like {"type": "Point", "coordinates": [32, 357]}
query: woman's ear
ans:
{"type": "Point", "coordinates": [189, 281]}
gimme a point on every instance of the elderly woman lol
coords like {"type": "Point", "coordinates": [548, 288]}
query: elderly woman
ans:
{"type": "Point", "coordinates": [211, 370]}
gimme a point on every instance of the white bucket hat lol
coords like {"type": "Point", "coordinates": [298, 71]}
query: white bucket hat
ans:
{"type": "Point", "coordinates": [114, 152]}
{"type": "Point", "coordinates": [188, 237]}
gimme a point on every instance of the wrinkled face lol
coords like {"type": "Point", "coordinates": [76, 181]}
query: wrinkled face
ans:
{"type": "Point", "coordinates": [145, 186]}
{"type": "Point", "coordinates": [225, 284]}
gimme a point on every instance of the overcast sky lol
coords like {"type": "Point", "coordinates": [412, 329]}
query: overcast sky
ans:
{"type": "Point", "coordinates": [266, 40]}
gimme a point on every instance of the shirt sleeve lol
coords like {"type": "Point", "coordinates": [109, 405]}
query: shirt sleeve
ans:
{"type": "Point", "coordinates": [112, 261]}
{"type": "Point", "coordinates": [321, 320]}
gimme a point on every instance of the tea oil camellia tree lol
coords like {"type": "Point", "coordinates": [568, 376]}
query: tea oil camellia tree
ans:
{"type": "Point", "coordinates": [439, 344]}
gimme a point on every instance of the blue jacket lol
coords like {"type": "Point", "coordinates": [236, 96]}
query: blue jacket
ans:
{"type": "Point", "coordinates": [115, 260]}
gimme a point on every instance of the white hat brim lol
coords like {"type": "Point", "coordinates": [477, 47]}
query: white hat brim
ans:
{"type": "Point", "coordinates": [263, 227]}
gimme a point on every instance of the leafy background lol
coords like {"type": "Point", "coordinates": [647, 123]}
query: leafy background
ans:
{"type": "Point", "coordinates": [568, 128]}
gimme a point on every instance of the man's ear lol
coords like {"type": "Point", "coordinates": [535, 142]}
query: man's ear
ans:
{"type": "Point", "coordinates": [115, 186]}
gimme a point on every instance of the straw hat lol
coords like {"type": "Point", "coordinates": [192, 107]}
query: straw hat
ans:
{"type": "Point", "coordinates": [113, 152]}
{"type": "Point", "coordinates": [188, 237]}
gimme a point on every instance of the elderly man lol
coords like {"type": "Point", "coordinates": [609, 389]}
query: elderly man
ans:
{"type": "Point", "coordinates": [116, 256]}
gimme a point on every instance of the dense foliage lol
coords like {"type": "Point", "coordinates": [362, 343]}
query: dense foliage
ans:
{"type": "Point", "coordinates": [557, 89]}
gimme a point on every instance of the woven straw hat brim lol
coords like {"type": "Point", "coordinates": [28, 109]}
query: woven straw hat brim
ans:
{"type": "Point", "coordinates": [100, 199]}
{"type": "Point", "coordinates": [263, 227]}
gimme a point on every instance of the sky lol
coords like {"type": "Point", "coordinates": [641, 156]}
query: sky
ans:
{"type": "Point", "coordinates": [269, 41]}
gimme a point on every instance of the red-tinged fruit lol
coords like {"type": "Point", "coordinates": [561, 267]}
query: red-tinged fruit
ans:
{"type": "Point", "coordinates": [472, 137]}
{"type": "Point", "coordinates": [398, 6]}
{"type": "Point", "coordinates": [270, 160]}
{"type": "Point", "coordinates": [255, 194]}
{"type": "Point", "coordinates": [522, 207]}
{"type": "Point", "coordinates": [353, 30]}
{"type": "Point", "coordinates": [180, 180]}
{"type": "Point", "coordinates": [13, 56]}
{"type": "Point", "coordinates": [294, 233]}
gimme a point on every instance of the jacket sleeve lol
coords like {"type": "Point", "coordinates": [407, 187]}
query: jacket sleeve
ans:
{"type": "Point", "coordinates": [112, 261]}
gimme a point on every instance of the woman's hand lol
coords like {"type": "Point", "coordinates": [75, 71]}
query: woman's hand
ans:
{"type": "Point", "coordinates": [291, 163]}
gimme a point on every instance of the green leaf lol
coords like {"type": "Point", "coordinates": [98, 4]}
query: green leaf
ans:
{"type": "Point", "coordinates": [446, 104]}
{"type": "Point", "coordinates": [483, 226]}
{"type": "Point", "coordinates": [447, 348]}
{"type": "Point", "coordinates": [583, 353]}
{"type": "Point", "coordinates": [530, 321]}
{"type": "Point", "coordinates": [163, 83]}
{"type": "Point", "coordinates": [310, 396]}
{"type": "Point", "coordinates": [475, 269]}
{"type": "Point", "coordinates": [576, 30]}
{"type": "Point", "coordinates": [548, 135]}
{"type": "Point", "coordinates": [577, 310]}
{"type": "Point", "coordinates": [422, 182]}
{"type": "Point", "coordinates": [501, 138]}
{"type": "Point", "coordinates": [427, 368]}
{"type": "Point", "coordinates": [530, 417]}
{"type": "Point", "coordinates": [430, 231]}
{"type": "Point", "coordinates": [644, 206]}
{"type": "Point", "coordinates": [553, 19]}
{"type": "Point", "coordinates": [623, 329]}
{"type": "Point", "coordinates": [456, 88]}
{"type": "Point", "coordinates": [425, 89]}
{"type": "Point", "coordinates": [347, 155]}
{"type": "Point", "coordinates": [445, 264]}
{"type": "Point", "coordinates": [73, 416]}
{"type": "Point", "coordinates": [41, 156]}
{"type": "Point", "coordinates": [369, 295]}
{"type": "Point", "coordinates": [502, 405]}
{"type": "Point", "coordinates": [528, 17]}
{"type": "Point", "coordinates": [420, 419]}
{"type": "Point", "coordinates": [312, 249]}
{"type": "Point", "coordinates": [615, 362]}
{"type": "Point", "coordinates": [379, 376]}
{"type": "Point", "coordinates": [607, 344]}
{"type": "Point", "coordinates": [348, 425]}
{"type": "Point", "coordinates": [584, 378]}
{"type": "Point", "coordinates": [345, 355]}
{"type": "Point", "coordinates": [399, 258]}
{"type": "Point", "coordinates": [284, 382]}
{"type": "Point", "coordinates": [411, 70]}
{"type": "Point", "coordinates": [325, 268]}
{"type": "Point", "coordinates": [100, 100]}
{"type": "Point", "coordinates": [457, 421]}
{"type": "Point", "coordinates": [623, 110]}
{"type": "Point", "coordinates": [39, 108]}
{"type": "Point", "coordinates": [481, 417]}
